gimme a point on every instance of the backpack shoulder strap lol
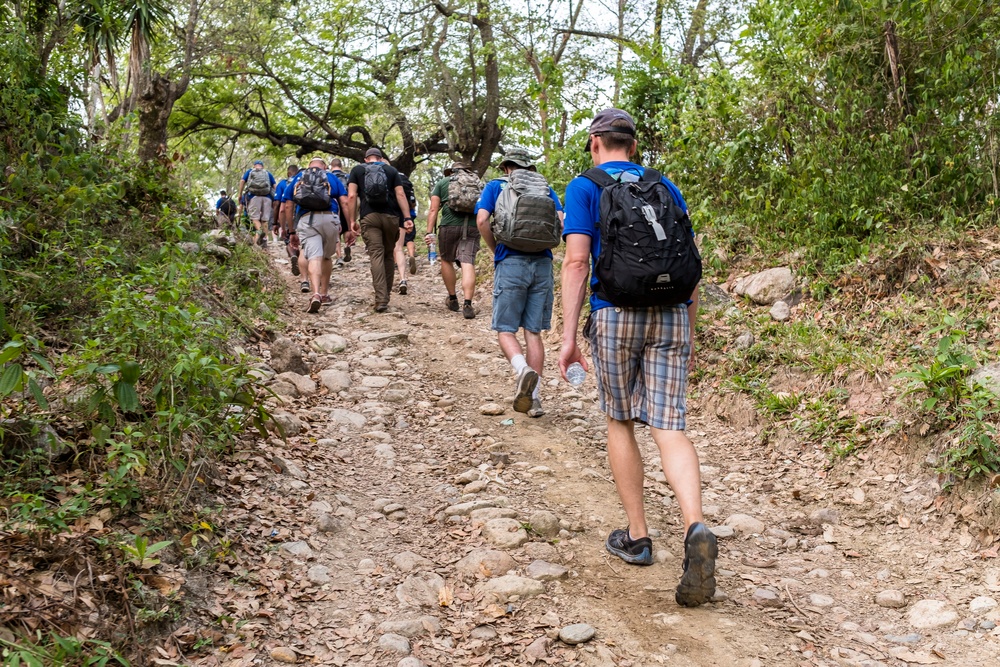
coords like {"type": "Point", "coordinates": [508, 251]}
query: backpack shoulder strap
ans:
{"type": "Point", "coordinates": [650, 175]}
{"type": "Point", "coordinates": [599, 177]}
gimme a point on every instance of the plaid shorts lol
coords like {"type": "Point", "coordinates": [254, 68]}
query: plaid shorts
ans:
{"type": "Point", "coordinates": [640, 362]}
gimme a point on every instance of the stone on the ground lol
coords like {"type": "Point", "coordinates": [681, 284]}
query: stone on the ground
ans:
{"type": "Point", "coordinates": [462, 509]}
{"type": "Point", "coordinates": [302, 383]}
{"type": "Point", "coordinates": [982, 604]}
{"type": "Point", "coordinates": [662, 555]}
{"type": "Point", "coordinates": [713, 298]}
{"type": "Point", "coordinates": [505, 587]}
{"type": "Point", "coordinates": [318, 574]}
{"type": "Point", "coordinates": [407, 561]}
{"type": "Point", "coordinates": [328, 524]}
{"type": "Point", "coordinates": [766, 287]}
{"type": "Point", "coordinates": [335, 381]}
{"type": "Point", "coordinates": [297, 549]}
{"type": "Point", "coordinates": [216, 251]}
{"type": "Point", "coordinates": [723, 531]}
{"type": "Point", "coordinates": [389, 337]}
{"type": "Point", "coordinates": [329, 344]}
{"type": "Point", "coordinates": [825, 515]}
{"type": "Point", "coordinates": [538, 649]}
{"type": "Point", "coordinates": [283, 654]}
{"type": "Point", "coordinates": [394, 643]}
{"type": "Point", "coordinates": [286, 424]}
{"type": "Point", "coordinates": [492, 409]}
{"type": "Point", "coordinates": [374, 382]}
{"type": "Point", "coordinates": [505, 533]}
{"type": "Point", "coordinates": [780, 311]}
{"type": "Point", "coordinates": [476, 487]}
{"type": "Point", "coordinates": [470, 475]}
{"type": "Point", "coordinates": [342, 417]}
{"type": "Point", "coordinates": [745, 524]}
{"type": "Point", "coordinates": [385, 451]}
{"type": "Point", "coordinates": [289, 467]}
{"type": "Point", "coordinates": [988, 377]}
{"type": "Point", "coordinates": [744, 341]}
{"type": "Point", "coordinates": [541, 551]}
{"type": "Point", "coordinates": [544, 523]}
{"type": "Point", "coordinates": [287, 356]}
{"type": "Point", "coordinates": [366, 566]}
{"type": "Point", "coordinates": [420, 590]}
{"type": "Point", "coordinates": [890, 599]}
{"type": "Point", "coordinates": [820, 600]}
{"type": "Point", "coordinates": [929, 614]}
{"type": "Point", "coordinates": [544, 571]}
{"type": "Point", "coordinates": [410, 661]}
{"type": "Point", "coordinates": [483, 515]}
{"type": "Point", "coordinates": [578, 633]}
{"type": "Point", "coordinates": [484, 562]}
{"type": "Point", "coordinates": [284, 389]}
{"type": "Point", "coordinates": [766, 598]}
{"type": "Point", "coordinates": [411, 627]}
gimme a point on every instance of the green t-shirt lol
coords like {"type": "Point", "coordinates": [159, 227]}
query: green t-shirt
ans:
{"type": "Point", "coordinates": [449, 218]}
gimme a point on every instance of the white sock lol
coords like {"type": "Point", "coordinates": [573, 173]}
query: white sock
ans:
{"type": "Point", "coordinates": [519, 363]}
{"type": "Point", "coordinates": [537, 394]}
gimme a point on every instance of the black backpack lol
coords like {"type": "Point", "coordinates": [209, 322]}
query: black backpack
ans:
{"type": "Point", "coordinates": [411, 196]}
{"type": "Point", "coordinates": [648, 254]}
{"type": "Point", "coordinates": [312, 191]}
{"type": "Point", "coordinates": [228, 207]}
{"type": "Point", "coordinates": [376, 184]}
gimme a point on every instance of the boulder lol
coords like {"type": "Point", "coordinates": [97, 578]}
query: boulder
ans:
{"type": "Point", "coordinates": [287, 356]}
{"type": "Point", "coordinates": [767, 287]}
{"type": "Point", "coordinates": [712, 298]}
{"type": "Point", "coordinates": [304, 385]}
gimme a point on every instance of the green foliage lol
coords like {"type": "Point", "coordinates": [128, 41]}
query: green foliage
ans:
{"type": "Point", "coordinates": [54, 650]}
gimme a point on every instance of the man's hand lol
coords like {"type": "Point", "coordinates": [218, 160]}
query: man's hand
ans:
{"type": "Point", "coordinates": [429, 238]}
{"type": "Point", "coordinates": [570, 354]}
{"type": "Point", "coordinates": [408, 225]}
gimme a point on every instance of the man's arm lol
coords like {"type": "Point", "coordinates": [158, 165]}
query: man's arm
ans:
{"type": "Point", "coordinates": [352, 203]}
{"type": "Point", "coordinates": [404, 207]}
{"type": "Point", "coordinates": [575, 270]}
{"type": "Point", "coordinates": [485, 229]}
{"type": "Point", "coordinates": [239, 200]}
{"type": "Point", "coordinates": [432, 216]}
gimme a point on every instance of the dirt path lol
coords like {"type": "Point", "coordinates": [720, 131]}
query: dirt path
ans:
{"type": "Point", "coordinates": [357, 545]}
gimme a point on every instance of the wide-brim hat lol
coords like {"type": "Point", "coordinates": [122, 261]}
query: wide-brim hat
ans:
{"type": "Point", "coordinates": [456, 166]}
{"type": "Point", "coordinates": [519, 157]}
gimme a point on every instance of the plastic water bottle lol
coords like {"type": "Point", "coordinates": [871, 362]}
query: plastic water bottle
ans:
{"type": "Point", "coordinates": [575, 374]}
{"type": "Point", "coordinates": [432, 253]}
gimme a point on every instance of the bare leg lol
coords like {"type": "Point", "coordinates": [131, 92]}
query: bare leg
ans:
{"type": "Point", "coordinates": [316, 274]}
{"type": "Point", "coordinates": [399, 253]}
{"type": "Point", "coordinates": [509, 343]}
{"type": "Point", "coordinates": [626, 466]}
{"type": "Point", "coordinates": [468, 280]}
{"type": "Point", "coordinates": [535, 351]}
{"type": "Point", "coordinates": [448, 275]}
{"type": "Point", "coordinates": [681, 468]}
{"type": "Point", "coordinates": [326, 269]}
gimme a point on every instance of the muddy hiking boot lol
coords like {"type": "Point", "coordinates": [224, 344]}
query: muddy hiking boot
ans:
{"type": "Point", "coordinates": [402, 288]}
{"type": "Point", "coordinates": [295, 265]}
{"type": "Point", "coordinates": [697, 584]}
{"type": "Point", "coordinates": [452, 303]}
{"type": "Point", "coordinates": [636, 552]}
{"type": "Point", "coordinates": [527, 380]}
{"type": "Point", "coordinates": [347, 253]}
{"type": "Point", "coordinates": [413, 266]}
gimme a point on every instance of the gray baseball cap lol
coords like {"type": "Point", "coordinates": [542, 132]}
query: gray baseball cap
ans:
{"type": "Point", "coordinates": [603, 122]}
{"type": "Point", "coordinates": [373, 151]}
{"type": "Point", "coordinates": [518, 156]}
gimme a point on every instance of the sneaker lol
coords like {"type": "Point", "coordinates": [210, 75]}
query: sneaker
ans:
{"type": "Point", "coordinates": [527, 380]}
{"type": "Point", "coordinates": [402, 288]}
{"type": "Point", "coordinates": [697, 584]}
{"type": "Point", "coordinates": [468, 312]}
{"type": "Point", "coordinates": [325, 300]}
{"type": "Point", "coordinates": [295, 266]}
{"type": "Point", "coordinates": [339, 263]}
{"type": "Point", "coordinates": [413, 266]}
{"type": "Point", "coordinates": [381, 308]}
{"type": "Point", "coordinates": [536, 409]}
{"type": "Point", "coordinates": [304, 287]}
{"type": "Point", "coordinates": [452, 304]}
{"type": "Point", "coordinates": [314, 303]}
{"type": "Point", "coordinates": [347, 253]}
{"type": "Point", "coordinates": [636, 552]}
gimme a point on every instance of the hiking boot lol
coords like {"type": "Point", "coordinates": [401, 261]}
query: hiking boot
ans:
{"type": "Point", "coordinates": [295, 266]}
{"type": "Point", "coordinates": [381, 308]}
{"type": "Point", "coordinates": [314, 303]}
{"type": "Point", "coordinates": [402, 288]}
{"type": "Point", "coordinates": [468, 312]}
{"type": "Point", "coordinates": [347, 253]}
{"type": "Point", "coordinates": [262, 240]}
{"type": "Point", "coordinates": [452, 304]}
{"type": "Point", "coordinates": [697, 584]}
{"type": "Point", "coordinates": [536, 409]}
{"type": "Point", "coordinates": [527, 380]}
{"type": "Point", "coordinates": [636, 552]}
{"type": "Point", "coordinates": [339, 263]}
{"type": "Point", "coordinates": [413, 266]}
{"type": "Point", "coordinates": [304, 287]}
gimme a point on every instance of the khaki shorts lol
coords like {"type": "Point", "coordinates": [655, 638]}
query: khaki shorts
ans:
{"type": "Point", "coordinates": [452, 247]}
{"type": "Point", "coordinates": [259, 208]}
{"type": "Point", "coordinates": [318, 234]}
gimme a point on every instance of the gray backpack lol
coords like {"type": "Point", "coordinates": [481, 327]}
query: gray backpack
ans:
{"type": "Point", "coordinates": [463, 191]}
{"type": "Point", "coordinates": [259, 182]}
{"type": "Point", "coordinates": [525, 218]}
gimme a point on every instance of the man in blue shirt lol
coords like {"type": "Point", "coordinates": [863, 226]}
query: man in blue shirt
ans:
{"type": "Point", "coordinates": [259, 185]}
{"type": "Point", "coordinates": [318, 232]}
{"type": "Point", "coordinates": [225, 210]}
{"type": "Point", "coordinates": [641, 361]}
{"type": "Point", "coordinates": [285, 208]}
{"type": "Point", "coordinates": [522, 292]}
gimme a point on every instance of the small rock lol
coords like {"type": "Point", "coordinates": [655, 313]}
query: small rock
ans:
{"type": "Point", "coordinates": [904, 639]}
{"type": "Point", "coordinates": [766, 598]}
{"type": "Point", "coordinates": [988, 377]}
{"type": "Point", "coordinates": [509, 585]}
{"type": "Point", "coordinates": [541, 551]}
{"type": "Point", "coordinates": [305, 386]}
{"type": "Point", "coordinates": [492, 409]}
{"type": "Point", "coordinates": [723, 531]}
{"type": "Point", "coordinates": [407, 561]}
{"type": "Point", "coordinates": [397, 337]}
{"type": "Point", "coordinates": [505, 533]}
{"type": "Point", "coordinates": [744, 341]}
{"type": "Point", "coordinates": [420, 590]}
{"type": "Point", "coordinates": [335, 381]}
{"type": "Point", "coordinates": [289, 467]}
{"type": "Point", "coordinates": [318, 574]}
{"type": "Point", "coordinates": [366, 566]}
{"type": "Point", "coordinates": [982, 604]}
{"type": "Point", "coordinates": [394, 643]}
{"type": "Point", "coordinates": [484, 563]}
{"type": "Point", "coordinates": [410, 661]}
{"type": "Point", "coordinates": [544, 523]}
{"type": "Point", "coordinates": [342, 417]}
{"type": "Point", "coordinates": [374, 382]}
{"type": "Point", "coordinates": [891, 599]}
{"type": "Point", "coordinates": [826, 515]}
{"type": "Point", "coordinates": [328, 524]}
{"type": "Point", "coordinates": [929, 614]}
{"type": "Point", "coordinates": [411, 627]}
{"type": "Point", "coordinates": [287, 356]}
{"type": "Point", "coordinates": [476, 487]}
{"type": "Point", "coordinates": [821, 601]}
{"type": "Point", "coordinates": [297, 549]}
{"type": "Point", "coordinates": [662, 555]}
{"type": "Point", "coordinates": [538, 649]}
{"type": "Point", "coordinates": [329, 344]}
{"type": "Point", "coordinates": [766, 287]}
{"type": "Point", "coordinates": [463, 509]}
{"type": "Point", "coordinates": [578, 633]}
{"type": "Point", "coordinates": [483, 633]}
{"type": "Point", "coordinates": [745, 524]}
{"type": "Point", "coordinates": [286, 424]}
{"type": "Point", "coordinates": [780, 311]}
{"type": "Point", "coordinates": [481, 516]}
{"type": "Point", "coordinates": [283, 654]}
{"type": "Point", "coordinates": [543, 571]}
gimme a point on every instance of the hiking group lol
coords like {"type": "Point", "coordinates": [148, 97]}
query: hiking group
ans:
{"type": "Point", "coordinates": [625, 227]}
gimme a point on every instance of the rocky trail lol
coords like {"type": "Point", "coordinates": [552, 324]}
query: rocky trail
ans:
{"type": "Point", "coordinates": [412, 518]}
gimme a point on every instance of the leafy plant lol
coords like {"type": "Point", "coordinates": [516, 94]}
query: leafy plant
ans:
{"type": "Point", "coordinates": [139, 552]}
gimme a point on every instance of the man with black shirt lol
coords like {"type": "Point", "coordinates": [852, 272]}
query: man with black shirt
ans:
{"type": "Point", "coordinates": [383, 201]}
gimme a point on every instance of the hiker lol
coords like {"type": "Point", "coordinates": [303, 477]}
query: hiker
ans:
{"type": "Point", "coordinates": [320, 200]}
{"type": "Point", "coordinates": [641, 326]}
{"type": "Point", "coordinates": [381, 206]}
{"type": "Point", "coordinates": [454, 198]}
{"type": "Point", "coordinates": [286, 220]}
{"type": "Point", "coordinates": [225, 210]}
{"type": "Point", "coordinates": [346, 235]}
{"type": "Point", "coordinates": [258, 184]}
{"type": "Point", "coordinates": [405, 246]}
{"type": "Point", "coordinates": [527, 220]}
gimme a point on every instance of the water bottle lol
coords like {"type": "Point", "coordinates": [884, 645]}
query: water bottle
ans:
{"type": "Point", "coordinates": [432, 253]}
{"type": "Point", "coordinates": [575, 374]}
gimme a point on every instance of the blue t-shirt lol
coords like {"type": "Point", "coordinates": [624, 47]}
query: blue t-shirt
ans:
{"type": "Point", "coordinates": [583, 213]}
{"type": "Point", "coordinates": [488, 202]}
{"type": "Point", "coordinates": [279, 190]}
{"type": "Point", "coordinates": [336, 190]}
{"type": "Point", "coordinates": [218, 202]}
{"type": "Point", "coordinates": [246, 177]}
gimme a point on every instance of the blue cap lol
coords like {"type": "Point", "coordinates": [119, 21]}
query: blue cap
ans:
{"type": "Point", "coordinates": [259, 162]}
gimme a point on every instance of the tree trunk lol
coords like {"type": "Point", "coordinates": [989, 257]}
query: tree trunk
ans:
{"type": "Point", "coordinates": [155, 102]}
{"type": "Point", "coordinates": [698, 18]}
{"type": "Point", "coordinates": [620, 61]}
{"type": "Point", "coordinates": [658, 28]}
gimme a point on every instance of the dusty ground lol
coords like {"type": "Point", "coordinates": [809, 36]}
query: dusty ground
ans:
{"type": "Point", "coordinates": [368, 490]}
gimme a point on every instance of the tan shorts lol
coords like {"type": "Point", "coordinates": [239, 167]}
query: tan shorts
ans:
{"type": "Point", "coordinates": [452, 247]}
{"type": "Point", "coordinates": [259, 208]}
{"type": "Point", "coordinates": [318, 234]}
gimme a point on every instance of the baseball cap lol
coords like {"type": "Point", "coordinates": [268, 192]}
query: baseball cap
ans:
{"type": "Point", "coordinates": [518, 156]}
{"type": "Point", "coordinates": [456, 166]}
{"type": "Point", "coordinates": [373, 151]}
{"type": "Point", "coordinates": [258, 162]}
{"type": "Point", "coordinates": [603, 122]}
